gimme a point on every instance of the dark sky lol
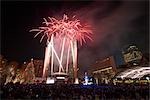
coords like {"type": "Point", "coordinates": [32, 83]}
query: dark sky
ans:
{"type": "Point", "coordinates": [115, 25]}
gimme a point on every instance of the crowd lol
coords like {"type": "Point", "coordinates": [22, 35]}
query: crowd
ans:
{"type": "Point", "coordinates": [74, 92]}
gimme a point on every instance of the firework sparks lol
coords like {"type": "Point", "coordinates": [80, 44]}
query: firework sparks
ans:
{"type": "Point", "coordinates": [68, 32]}
{"type": "Point", "coordinates": [71, 29]}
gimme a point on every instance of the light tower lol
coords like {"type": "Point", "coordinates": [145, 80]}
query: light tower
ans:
{"type": "Point", "coordinates": [62, 39]}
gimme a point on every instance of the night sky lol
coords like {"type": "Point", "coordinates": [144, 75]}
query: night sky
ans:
{"type": "Point", "coordinates": [115, 25]}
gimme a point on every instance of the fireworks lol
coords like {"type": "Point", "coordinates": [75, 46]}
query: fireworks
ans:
{"type": "Point", "coordinates": [63, 33]}
{"type": "Point", "coordinates": [71, 29]}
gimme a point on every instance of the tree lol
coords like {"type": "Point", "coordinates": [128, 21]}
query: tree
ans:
{"type": "Point", "coordinates": [3, 64]}
{"type": "Point", "coordinates": [29, 73]}
{"type": "Point", "coordinates": [11, 71]}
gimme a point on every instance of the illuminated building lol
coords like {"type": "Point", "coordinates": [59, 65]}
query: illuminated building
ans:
{"type": "Point", "coordinates": [134, 73]}
{"type": "Point", "coordinates": [135, 68]}
{"type": "Point", "coordinates": [104, 70]}
{"type": "Point", "coordinates": [132, 55]}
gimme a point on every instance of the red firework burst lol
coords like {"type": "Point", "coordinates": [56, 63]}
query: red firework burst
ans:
{"type": "Point", "coordinates": [71, 29]}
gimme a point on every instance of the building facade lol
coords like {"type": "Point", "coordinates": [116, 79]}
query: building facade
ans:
{"type": "Point", "coordinates": [132, 55]}
{"type": "Point", "coordinates": [104, 70]}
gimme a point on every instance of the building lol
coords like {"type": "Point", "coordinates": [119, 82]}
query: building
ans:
{"type": "Point", "coordinates": [104, 70]}
{"type": "Point", "coordinates": [134, 73]}
{"type": "Point", "coordinates": [132, 55]}
{"type": "Point", "coordinates": [136, 66]}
